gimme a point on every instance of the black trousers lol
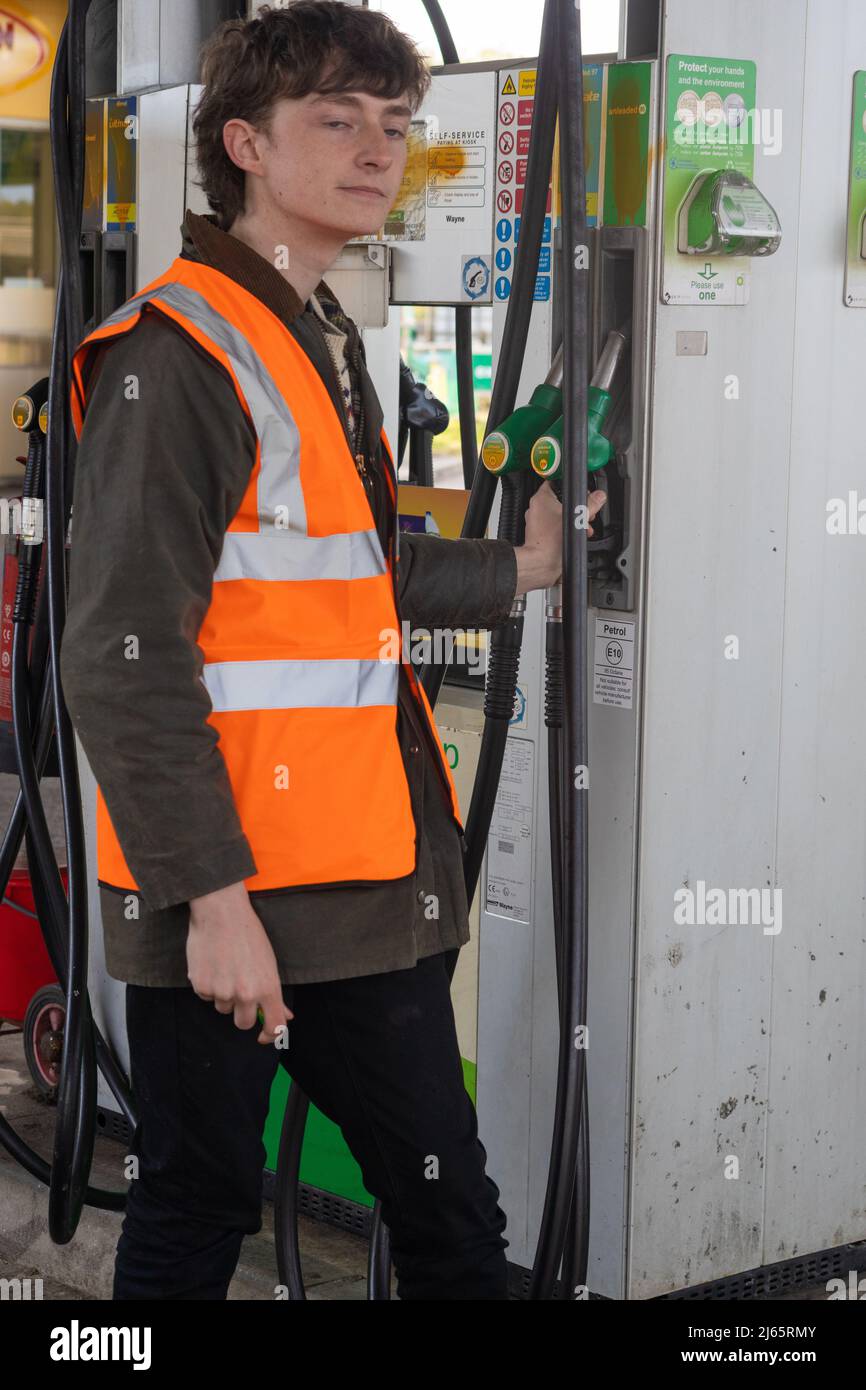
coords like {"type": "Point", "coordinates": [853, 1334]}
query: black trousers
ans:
{"type": "Point", "coordinates": [379, 1056]}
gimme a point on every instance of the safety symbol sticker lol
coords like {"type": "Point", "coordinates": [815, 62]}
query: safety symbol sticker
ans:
{"type": "Point", "coordinates": [503, 287]}
{"type": "Point", "coordinates": [503, 229]}
{"type": "Point", "coordinates": [508, 87]}
{"type": "Point", "coordinates": [613, 672]}
{"type": "Point", "coordinates": [506, 113]}
{"type": "Point", "coordinates": [503, 258]}
{"type": "Point", "coordinates": [506, 142]}
{"type": "Point", "coordinates": [504, 200]}
{"type": "Point", "coordinates": [476, 276]}
{"type": "Point", "coordinates": [519, 715]}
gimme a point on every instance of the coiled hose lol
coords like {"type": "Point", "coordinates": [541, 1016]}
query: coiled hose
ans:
{"type": "Point", "coordinates": [39, 708]}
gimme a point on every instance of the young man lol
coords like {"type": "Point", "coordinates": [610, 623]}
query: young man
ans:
{"type": "Point", "coordinates": [277, 825]}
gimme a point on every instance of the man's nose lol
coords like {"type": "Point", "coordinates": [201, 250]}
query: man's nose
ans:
{"type": "Point", "coordinates": [375, 147]}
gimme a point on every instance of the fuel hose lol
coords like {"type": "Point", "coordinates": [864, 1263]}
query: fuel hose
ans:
{"type": "Point", "coordinates": [506, 654]}
{"type": "Point", "coordinates": [574, 899]}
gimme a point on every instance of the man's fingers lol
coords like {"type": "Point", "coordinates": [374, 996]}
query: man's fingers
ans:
{"type": "Point", "coordinates": [276, 1014]}
{"type": "Point", "coordinates": [245, 1015]}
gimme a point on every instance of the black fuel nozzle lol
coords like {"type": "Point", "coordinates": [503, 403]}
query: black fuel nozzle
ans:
{"type": "Point", "coordinates": [29, 414]}
{"type": "Point", "coordinates": [419, 408]}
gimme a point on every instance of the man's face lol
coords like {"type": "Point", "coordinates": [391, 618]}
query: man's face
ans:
{"type": "Point", "coordinates": [337, 161]}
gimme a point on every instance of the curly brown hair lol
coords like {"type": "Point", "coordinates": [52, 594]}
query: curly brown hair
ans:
{"type": "Point", "coordinates": [310, 46]}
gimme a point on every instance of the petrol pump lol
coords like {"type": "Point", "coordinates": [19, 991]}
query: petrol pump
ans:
{"type": "Point", "coordinates": [722, 1132]}
{"type": "Point", "coordinates": [707, 1141]}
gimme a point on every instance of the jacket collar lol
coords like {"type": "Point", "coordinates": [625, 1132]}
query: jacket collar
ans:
{"type": "Point", "coordinates": [203, 240]}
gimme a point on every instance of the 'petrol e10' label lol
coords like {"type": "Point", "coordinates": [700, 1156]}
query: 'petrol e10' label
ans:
{"type": "Point", "coordinates": [613, 664]}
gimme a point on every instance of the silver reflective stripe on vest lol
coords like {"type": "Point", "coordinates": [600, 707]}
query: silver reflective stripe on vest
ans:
{"type": "Point", "coordinates": [281, 548]}
{"type": "Point", "coordinates": [256, 555]}
{"type": "Point", "coordinates": [258, 685]}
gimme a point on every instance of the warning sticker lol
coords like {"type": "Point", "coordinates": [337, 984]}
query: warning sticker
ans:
{"type": "Point", "coordinates": [613, 667]}
{"type": "Point", "coordinates": [516, 103]}
{"type": "Point", "coordinates": [457, 169]}
{"type": "Point", "coordinates": [509, 843]}
{"type": "Point", "coordinates": [407, 219]}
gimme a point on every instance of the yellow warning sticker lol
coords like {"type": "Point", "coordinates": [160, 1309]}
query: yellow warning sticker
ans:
{"type": "Point", "coordinates": [526, 81]}
{"type": "Point", "coordinates": [509, 89]}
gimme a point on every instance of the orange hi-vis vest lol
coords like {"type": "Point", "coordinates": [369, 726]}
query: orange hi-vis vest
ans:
{"type": "Point", "coordinates": [302, 631]}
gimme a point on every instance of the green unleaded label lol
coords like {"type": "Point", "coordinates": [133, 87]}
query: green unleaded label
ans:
{"type": "Point", "coordinates": [855, 276]}
{"type": "Point", "coordinates": [627, 148]}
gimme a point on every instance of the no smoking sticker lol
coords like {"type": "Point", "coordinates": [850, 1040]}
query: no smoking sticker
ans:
{"type": "Point", "coordinates": [613, 667]}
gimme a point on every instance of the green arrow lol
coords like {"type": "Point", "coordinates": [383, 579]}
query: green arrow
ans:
{"type": "Point", "coordinates": [708, 273]}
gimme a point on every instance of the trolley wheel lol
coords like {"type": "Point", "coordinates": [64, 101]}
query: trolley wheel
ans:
{"type": "Point", "coordinates": [43, 1038]}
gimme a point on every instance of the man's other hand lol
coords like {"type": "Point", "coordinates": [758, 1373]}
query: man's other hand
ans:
{"type": "Point", "coordinates": [231, 961]}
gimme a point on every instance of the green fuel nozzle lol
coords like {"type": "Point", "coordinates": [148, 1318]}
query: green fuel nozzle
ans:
{"type": "Point", "coordinates": [507, 449]}
{"type": "Point", "coordinates": [546, 453]}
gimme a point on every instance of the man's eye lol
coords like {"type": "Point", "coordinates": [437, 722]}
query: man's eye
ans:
{"type": "Point", "coordinates": [394, 130]}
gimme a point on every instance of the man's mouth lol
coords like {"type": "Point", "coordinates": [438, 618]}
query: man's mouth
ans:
{"type": "Point", "coordinates": [367, 192]}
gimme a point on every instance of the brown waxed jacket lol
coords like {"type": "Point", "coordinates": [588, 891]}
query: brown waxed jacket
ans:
{"type": "Point", "coordinates": [160, 473]}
